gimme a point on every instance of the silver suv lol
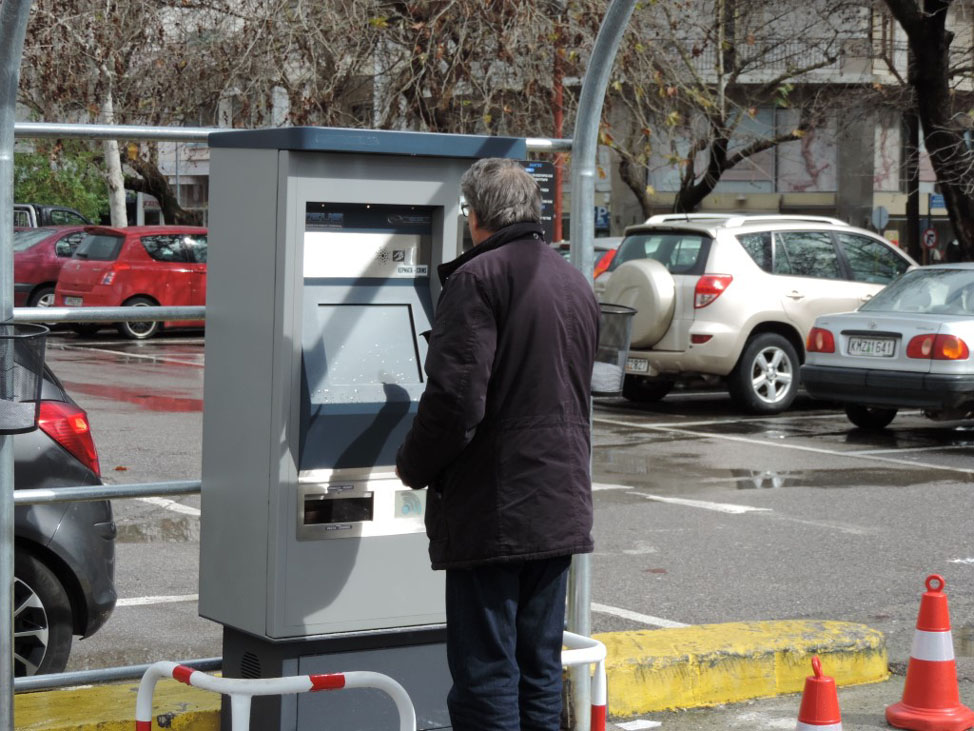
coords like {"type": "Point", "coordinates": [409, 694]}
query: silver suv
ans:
{"type": "Point", "coordinates": [730, 296]}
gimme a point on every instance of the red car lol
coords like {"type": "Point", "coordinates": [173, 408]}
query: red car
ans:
{"type": "Point", "coordinates": [139, 266]}
{"type": "Point", "coordinates": [39, 254]}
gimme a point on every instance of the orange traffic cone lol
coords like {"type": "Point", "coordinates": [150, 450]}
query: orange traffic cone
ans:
{"type": "Point", "coordinates": [820, 703]}
{"type": "Point", "coordinates": [931, 698]}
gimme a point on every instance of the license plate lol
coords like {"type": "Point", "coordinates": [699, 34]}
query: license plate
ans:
{"type": "Point", "coordinates": [872, 347]}
{"type": "Point", "coordinates": [637, 365]}
{"type": "Point", "coordinates": [73, 301]}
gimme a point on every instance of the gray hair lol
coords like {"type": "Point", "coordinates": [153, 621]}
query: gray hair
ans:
{"type": "Point", "coordinates": [501, 193]}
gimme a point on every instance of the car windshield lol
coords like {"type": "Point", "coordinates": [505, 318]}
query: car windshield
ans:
{"type": "Point", "coordinates": [928, 290]}
{"type": "Point", "coordinates": [678, 251]}
{"type": "Point", "coordinates": [23, 240]}
{"type": "Point", "coordinates": [99, 247]}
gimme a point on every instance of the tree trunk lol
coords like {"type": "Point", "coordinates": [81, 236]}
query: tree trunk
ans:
{"type": "Point", "coordinates": [153, 182]}
{"type": "Point", "coordinates": [632, 175]}
{"type": "Point", "coordinates": [113, 169]}
{"type": "Point", "coordinates": [929, 75]}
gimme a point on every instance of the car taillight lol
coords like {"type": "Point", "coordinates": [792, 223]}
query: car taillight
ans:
{"type": "Point", "coordinates": [603, 263]}
{"type": "Point", "coordinates": [68, 425]}
{"type": "Point", "coordinates": [937, 347]}
{"type": "Point", "coordinates": [820, 341]}
{"type": "Point", "coordinates": [710, 287]}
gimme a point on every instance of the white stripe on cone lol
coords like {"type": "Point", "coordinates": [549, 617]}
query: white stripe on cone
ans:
{"type": "Point", "coordinates": [932, 646]}
{"type": "Point", "coordinates": [812, 727]}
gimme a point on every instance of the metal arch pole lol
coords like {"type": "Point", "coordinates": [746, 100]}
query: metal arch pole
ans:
{"type": "Point", "coordinates": [585, 144]}
{"type": "Point", "coordinates": [13, 29]}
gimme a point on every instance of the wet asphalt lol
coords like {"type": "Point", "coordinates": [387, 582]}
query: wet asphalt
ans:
{"type": "Point", "coordinates": [703, 515]}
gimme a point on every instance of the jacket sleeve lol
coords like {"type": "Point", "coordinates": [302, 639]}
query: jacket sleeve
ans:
{"type": "Point", "coordinates": [458, 368]}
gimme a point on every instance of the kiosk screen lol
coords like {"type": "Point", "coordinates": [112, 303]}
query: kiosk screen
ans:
{"type": "Point", "coordinates": [366, 298]}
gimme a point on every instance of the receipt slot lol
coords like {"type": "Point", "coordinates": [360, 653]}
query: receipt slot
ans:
{"type": "Point", "coordinates": [324, 245]}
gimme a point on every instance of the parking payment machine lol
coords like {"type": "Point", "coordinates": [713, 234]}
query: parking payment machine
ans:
{"type": "Point", "coordinates": [323, 251]}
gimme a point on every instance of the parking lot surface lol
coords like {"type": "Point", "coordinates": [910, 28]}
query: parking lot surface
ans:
{"type": "Point", "coordinates": [703, 515]}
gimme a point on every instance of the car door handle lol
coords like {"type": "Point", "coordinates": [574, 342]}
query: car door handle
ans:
{"type": "Point", "coordinates": [795, 295]}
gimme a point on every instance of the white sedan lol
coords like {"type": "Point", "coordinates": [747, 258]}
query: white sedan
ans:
{"type": "Point", "coordinates": [907, 347]}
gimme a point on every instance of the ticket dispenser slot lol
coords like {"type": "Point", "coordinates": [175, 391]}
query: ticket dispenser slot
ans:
{"type": "Point", "coordinates": [370, 505]}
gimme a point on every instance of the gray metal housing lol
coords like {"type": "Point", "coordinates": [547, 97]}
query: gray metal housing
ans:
{"type": "Point", "coordinates": [257, 574]}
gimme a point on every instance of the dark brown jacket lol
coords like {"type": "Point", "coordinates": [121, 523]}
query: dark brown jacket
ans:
{"type": "Point", "coordinates": [501, 436]}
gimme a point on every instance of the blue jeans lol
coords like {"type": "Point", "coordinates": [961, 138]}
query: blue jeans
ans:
{"type": "Point", "coordinates": [504, 634]}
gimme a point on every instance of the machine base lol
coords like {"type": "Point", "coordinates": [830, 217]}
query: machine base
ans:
{"type": "Point", "coordinates": [416, 658]}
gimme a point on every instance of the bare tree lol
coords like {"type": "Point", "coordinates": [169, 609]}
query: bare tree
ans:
{"type": "Point", "coordinates": [694, 74]}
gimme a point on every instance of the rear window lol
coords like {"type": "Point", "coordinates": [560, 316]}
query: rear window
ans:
{"type": "Point", "coordinates": [184, 248]}
{"type": "Point", "coordinates": [930, 291]}
{"type": "Point", "coordinates": [680, 253]}
{"type": "Point", "coordinates": [23, 240]}
{"type": "Point", "coordinates": [99, 247]}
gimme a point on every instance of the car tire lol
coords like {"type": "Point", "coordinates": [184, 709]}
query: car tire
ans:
{"type": "Point", "coordinates": [42, 619]}
{"type": "Point", "coordinates": [765, 379]}
{"type": "Point", "coordinates": [42, 297]}
{"type": "Point", "coordinates": [139, 330]}
{"type": "Point", "coordinates": [640, 389]}
{"type": "Point", "coordinates": [648, 287]}
{"type": "Point", "coordinates": [869, 417]}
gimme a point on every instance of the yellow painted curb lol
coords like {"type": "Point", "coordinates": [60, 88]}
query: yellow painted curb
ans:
{"type": "Point", "coordinates": [648, 670]}
{"type": "Point", "coordinates": [706, 665]}
{"type": "Point", "coordinates": [112, 708]}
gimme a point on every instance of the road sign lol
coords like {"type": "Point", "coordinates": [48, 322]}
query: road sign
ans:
{"type": "Point", "coordinates": [937, 201]}
{"type": "Point", "coordinates": [880, 218]}
{"type": "Point", "coordinates": [929, 238]}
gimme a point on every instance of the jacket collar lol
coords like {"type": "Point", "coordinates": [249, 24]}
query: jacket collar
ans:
{"type": "Point", "coordinates": [506, 235]}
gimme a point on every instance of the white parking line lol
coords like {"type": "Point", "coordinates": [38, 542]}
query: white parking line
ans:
{"type": "Point", "coordinates": [144, 601]}
{"type": "Point", "coordinates": [780, 445]}
{"type": "Point", "coordinates": [171, 505]}
{"type": "Point", "coordinates": [636, 616]}
{"type": "Point", "coordinates": [704, 504]}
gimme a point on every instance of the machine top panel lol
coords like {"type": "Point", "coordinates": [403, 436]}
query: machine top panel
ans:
{"type": "Point", "coordinates": [373, 141]}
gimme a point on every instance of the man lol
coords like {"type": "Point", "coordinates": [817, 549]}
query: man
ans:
{"type": "Point", "coordinates": [501, 437]}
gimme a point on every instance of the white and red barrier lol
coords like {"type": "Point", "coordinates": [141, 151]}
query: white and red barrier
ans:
{"type": "Point", "coordinates": [586, 651]}
{"type": "Point", "coordinates": [580, 651]}
{"type": "Point", "coordinates": [242, 690]}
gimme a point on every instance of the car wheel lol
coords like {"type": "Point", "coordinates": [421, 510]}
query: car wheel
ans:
{"type": "Point", "coordinates": [645, 390]}
{"type": "Point", "coordinates": [139, 330]}
{"type": "Point", "coordinates": [85, 329]}
{"type": "Point", "coordinates": [42, 619]}
{"type": "Point", "coordinates": [648, 287]}
{"type": "Point", "coordinates": [42, 297]}
{"type": "Point", "coordinates": [765, 379]}
{"type": "Point", "coordinates": [869, 417]}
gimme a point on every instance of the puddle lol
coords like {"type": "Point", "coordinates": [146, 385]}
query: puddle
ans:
{"type": "Point", "coordinates": [148, 401]}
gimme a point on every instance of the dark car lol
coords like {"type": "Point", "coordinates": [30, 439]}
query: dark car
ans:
{"type": "Point", "coordinates": [138, 266]}
{"type": "Point", "coordinates": [39, 254]}
{"type": "Point", "coordinates": [64, 557]}
{"type": "Point", "coordinates": [32, 215]}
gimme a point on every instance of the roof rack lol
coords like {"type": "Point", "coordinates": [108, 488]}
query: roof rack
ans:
{"type": "Point", "coordinates": [734, 221]}
{"type": "Point", "coordinates": [666, 217]}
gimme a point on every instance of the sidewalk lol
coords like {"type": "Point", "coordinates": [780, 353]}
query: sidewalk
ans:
{"type": "Point", "coordinates": [648, 671]}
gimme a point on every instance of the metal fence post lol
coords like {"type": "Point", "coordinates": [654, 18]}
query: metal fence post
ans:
{"type": "Point", "coordinates": [13, 29]}
{"type": "Point", "coordinates": [584, 147]}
